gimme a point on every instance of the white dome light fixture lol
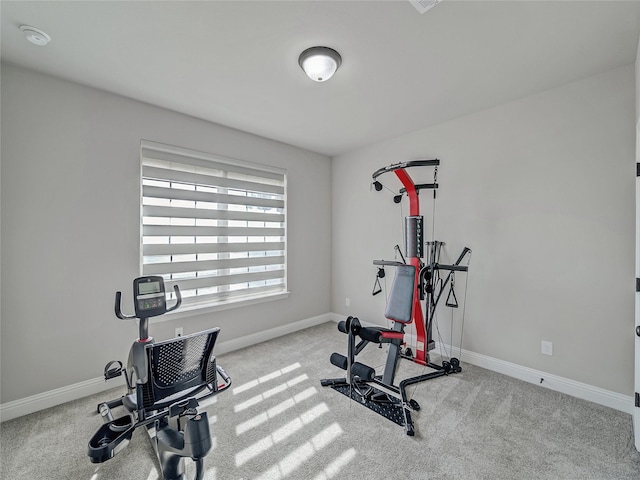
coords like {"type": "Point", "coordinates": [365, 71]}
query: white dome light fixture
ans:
{"type": "Point", "coordinates": [320, 63]}
{"type": "Point", "coordinates": [35, 35]}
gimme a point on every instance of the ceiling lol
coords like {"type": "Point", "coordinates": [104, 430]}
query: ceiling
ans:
{"type": "Point", "coordinates": [236, 62]}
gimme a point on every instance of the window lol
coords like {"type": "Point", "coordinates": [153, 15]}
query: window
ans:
{"type": "Point", "coordinates": [212, 225]}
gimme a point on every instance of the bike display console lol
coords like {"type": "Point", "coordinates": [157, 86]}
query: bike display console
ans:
{"type": "Point", "coordinates": [149, 296]}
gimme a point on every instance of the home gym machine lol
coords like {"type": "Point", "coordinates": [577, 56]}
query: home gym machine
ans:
{"type": "Point", "coordinates": [165, 380]}
{"type": "Point", "coordinates": [414, 282]}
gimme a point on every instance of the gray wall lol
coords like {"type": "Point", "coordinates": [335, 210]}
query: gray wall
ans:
{"type": "Point", "coordinates": [70, 227]}
{"type": "Point", "coordinates": [542, 190]}
{"type": "Point", "coordinates": [637, 64]}
{"type": "Point", "coordinates": [636, 411]}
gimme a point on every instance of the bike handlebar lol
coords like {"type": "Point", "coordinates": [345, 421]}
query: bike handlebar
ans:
{"type": "Point", "coordinates": [122, 316]}
{"type": "Point", "coordinates": [118, 310]}
{"type": "Point", "coordinates": [176, 290]}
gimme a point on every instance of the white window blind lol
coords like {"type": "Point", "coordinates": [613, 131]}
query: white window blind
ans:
{"type": "Point", "coordinates": [214, 226]}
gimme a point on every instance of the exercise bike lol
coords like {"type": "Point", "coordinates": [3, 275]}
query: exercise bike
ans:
{"type": "Point", "coordinates": [165, 381]}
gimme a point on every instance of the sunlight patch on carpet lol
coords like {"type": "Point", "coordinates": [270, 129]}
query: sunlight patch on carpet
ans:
{"type": "Point", "coordinates": [295, 459]}
{"type": "Point", "coordinates": [269, 393]}
{"type": "Point", "coordinates": [275, 411]}
{"type": "Point", "coordinates": [265, 378]}
{"type": "Point", "coordinates": [281, 434]}
{"type": "Point", "coordinates": [334, 468]}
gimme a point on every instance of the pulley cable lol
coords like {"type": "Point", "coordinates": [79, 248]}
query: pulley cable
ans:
{"type": "Point", "coordinates": [433, 212]}
{"type": "Point", "coordinates": [464, 304]}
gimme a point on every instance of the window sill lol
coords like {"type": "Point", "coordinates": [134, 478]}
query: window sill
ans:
{"type": "Point", "coordinates": [194, 310]}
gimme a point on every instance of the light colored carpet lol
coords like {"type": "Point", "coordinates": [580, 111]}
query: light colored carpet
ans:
{"type": "Point", "coordinates": [277, 422]}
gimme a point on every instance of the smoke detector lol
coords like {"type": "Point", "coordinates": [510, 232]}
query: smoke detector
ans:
{"type": "Point", "coordinates": [423, 5]}
{"type": "Point", "coordinates": [35, 35]}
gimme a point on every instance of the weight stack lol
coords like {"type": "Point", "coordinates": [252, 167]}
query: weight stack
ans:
{"type": "Point", "coordinates": [414, 236]}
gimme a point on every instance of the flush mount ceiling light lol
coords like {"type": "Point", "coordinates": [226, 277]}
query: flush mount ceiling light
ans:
{"type": "Point", "coordinates": [35, 35]}
{"type": "Point", "coordinates": [320, 63]}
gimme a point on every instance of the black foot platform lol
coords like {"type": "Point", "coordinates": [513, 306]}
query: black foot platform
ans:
{"type": "Point", "coordinates": [391, 410]}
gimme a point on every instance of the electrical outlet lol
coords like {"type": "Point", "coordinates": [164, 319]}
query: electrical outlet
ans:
{"type": "Point", "coordinates": [179, 332]}
{"type": "Point", "coordinates": [347, 302]}
{"type": "Point", "coordinates": [547, 348]}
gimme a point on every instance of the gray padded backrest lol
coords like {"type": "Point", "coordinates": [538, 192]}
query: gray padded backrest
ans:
{"type": "Point", "coordinates": [400, 301]}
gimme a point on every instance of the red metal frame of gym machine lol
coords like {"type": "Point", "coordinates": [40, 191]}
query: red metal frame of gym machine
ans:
{"type": "Point", "coordinates": [422, 354]}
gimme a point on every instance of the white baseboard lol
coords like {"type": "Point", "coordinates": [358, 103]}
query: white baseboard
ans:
{"type": "Point", "coordinates": [598, 395]}
{"type": "Point", "coordinates": [248, 340]}
{"type": "Point", "coordinates": [40, 401]}
{"type": "Point", "coordinates": [617, 401]}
